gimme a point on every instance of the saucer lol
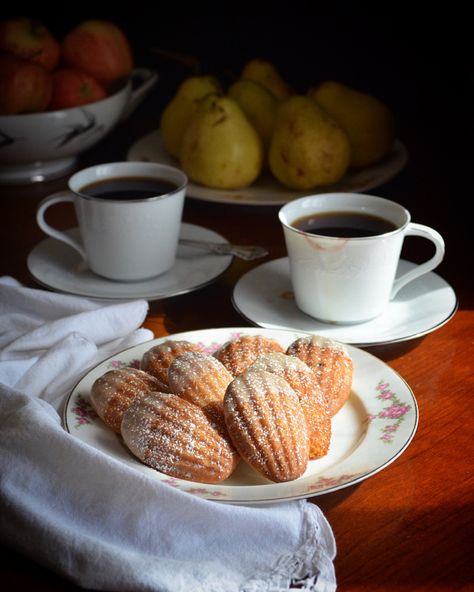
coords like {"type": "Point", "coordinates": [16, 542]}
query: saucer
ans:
{"type": "Point", "coordinates": [266, 191]}
{"type": "Point", "coordinates": [264, 296]}
{"type": "Point", "coordinates": [56, 265]}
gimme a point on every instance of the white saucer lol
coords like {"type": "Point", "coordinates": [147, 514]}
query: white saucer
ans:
{"type": "Point", "coordinates": [264, 296]}
{"type": "Point", "coordinates": [266, 191]}
{"type": "Point", "coordinates": [56, 265]}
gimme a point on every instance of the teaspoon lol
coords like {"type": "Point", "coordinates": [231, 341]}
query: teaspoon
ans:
{"type": "Point", "coordinates": [246, 252]}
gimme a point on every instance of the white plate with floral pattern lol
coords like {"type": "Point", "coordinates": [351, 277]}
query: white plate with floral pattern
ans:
{"type": "Point", "coordinates": [267, 191]}
{"type": "Point", "coordinates": [372, 429]}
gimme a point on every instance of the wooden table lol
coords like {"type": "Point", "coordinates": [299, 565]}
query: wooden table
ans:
{"type": "Point", "coordinates": [409, 527]}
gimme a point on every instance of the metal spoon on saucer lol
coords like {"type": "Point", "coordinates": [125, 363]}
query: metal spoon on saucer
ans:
{"type": "Point", "coordinates": [241, 251]}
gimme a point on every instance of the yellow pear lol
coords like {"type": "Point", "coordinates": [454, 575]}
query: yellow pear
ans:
{"type": "Point", "coordinates": [258, 104]}
{"type": "Point", "coordinates": [182, 106]}
{"type": "Point", "coordinates": [267, 75]}
{"type": "Point", "coordinates": [220, 147]}
{"type": "Point", "coordinates": [308, 148]}
{"type": "Point", "coordinates": [367, 121]}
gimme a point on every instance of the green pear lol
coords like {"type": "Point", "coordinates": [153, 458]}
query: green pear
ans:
{"type": "Point", "coordinates": [367, 121]}
{"type": "Point", "coordinates": [182, 106]}
{"type": "Point", "coordinates": [267, 75]}
{"type": "Point", "coordinates": [258, 104]}
{"type": "Point", "coordinates": [308, 148]}
{"type": "Point", "coordinates": [220, 147]}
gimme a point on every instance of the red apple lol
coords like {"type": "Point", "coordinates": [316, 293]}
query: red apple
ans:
{"type": "Point", "coordinates": [72, 88]}
{"type": "Point", "coordinates": [25, 87]}
{"type": "Point", "coordinates": [99, 48]}
{"type": "Point", "coordinates": [30, 40]}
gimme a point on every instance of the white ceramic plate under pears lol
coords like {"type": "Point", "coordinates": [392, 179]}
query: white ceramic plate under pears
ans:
{"type": "Point", "coordinates": [373, 428]}
{"type": "Point", "coordinates": [266, 190]}
{"type": "Point", "coordinates": [264, 296]}
{"type": "Point", "coordinates": [56, 265]}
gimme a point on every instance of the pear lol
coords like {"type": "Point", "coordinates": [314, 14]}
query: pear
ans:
{"type": "Point", "coordinates": [368, 122]}
{"type": "Point", "coordinates": [258, 104]}
{"type": "Point", "coordinates": [308, 148]}
{"type": "Point", "coordinates": [267, 75]}
{"type": "Point", "coordinates": [182, 106]}
{"type": "Point", "coordinates": [220, 147]}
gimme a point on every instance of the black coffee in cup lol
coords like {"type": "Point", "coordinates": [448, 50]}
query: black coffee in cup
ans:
{"type": "Point", "coordinates": [344, 224]}
{"type": "Point", "coordinates": [128, 188]}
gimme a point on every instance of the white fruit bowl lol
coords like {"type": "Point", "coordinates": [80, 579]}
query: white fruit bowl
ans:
{"type": "Point", "coordinates": [41, 146]}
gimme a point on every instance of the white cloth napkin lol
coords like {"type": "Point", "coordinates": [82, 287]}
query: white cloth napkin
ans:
{"type": "Point", "coordinates": [103, 524]}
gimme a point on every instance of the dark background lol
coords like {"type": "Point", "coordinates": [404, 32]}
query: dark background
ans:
{"type": "Point", "coordinates": [408, 62]}
{"type": "Point", "coordinates": [421, 67]}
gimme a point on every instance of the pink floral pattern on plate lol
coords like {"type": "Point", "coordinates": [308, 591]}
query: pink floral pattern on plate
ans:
{"type": "Point", "coordinates": [215, 345]}
{"type": "Point", "coordinates": [323, 483]}
{"type": "Point", "coordinates": [394, 412]}
{"type": "Point", "coordinates": [118, 364]}
{"type": "Point", "coordinates": [83, 411]}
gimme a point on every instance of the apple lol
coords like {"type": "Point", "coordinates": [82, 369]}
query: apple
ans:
{"type": "Point", "coordinates": [25, 87]}
{"type": "Point", "coordinates": [72, 88]}
{"type": "Point", "coordinates": [99, 48]}
{"type": "Point", "coordinates": [31, 40]}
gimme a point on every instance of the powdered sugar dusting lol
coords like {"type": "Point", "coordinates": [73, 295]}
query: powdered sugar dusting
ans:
{"type": "Point", "coordinates": [273, 406]}
{"type": "Point", "coordinates": [175, 437]}
{"type": "Point", "coordinates": [306, 385]}
{"type": "Point", "coordinates": [158, 359]}
{"type": "Point", "coordinates": [115, 391]}
{"type": "Point", "coordinates": [237, 354]}
{"type": "Point", "coordinates": [199, 378]}
{"type": "Point", "coordinates": [266, 423]}
{"type": "Point", "coordinates": [331, 364]}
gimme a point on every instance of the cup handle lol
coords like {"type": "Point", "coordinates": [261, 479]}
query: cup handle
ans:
{"type": "Point", "coordinates": [432, 235]}
{"type": "Point", "coordinates": [61, 196]}
{"type": "Point", "coordinates": [147, 79]}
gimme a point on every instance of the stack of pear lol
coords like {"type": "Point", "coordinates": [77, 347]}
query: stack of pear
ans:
{"type": "Point", "coordinates": [367, 121]}
{"type": "Point", "coordinates": [220, 148]}
{"type": "Point", "coordinates": [307, 141]}
{"type": "Point", "coordinates": [308, 148]}
{"type": "Point", "coordinates": [177, 114]}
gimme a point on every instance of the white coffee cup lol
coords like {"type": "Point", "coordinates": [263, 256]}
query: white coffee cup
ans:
{"type": "Point", "coordinates": [344, 280]}
{"type": "Point", "coordinates": [126, 236]}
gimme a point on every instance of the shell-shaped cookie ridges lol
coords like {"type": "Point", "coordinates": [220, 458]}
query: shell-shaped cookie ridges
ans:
{"type": "Point", "coordinates": [303, 381]}
{"type": "Point", "coordinates": [265, 420]}
{"type": "Point", "coordinates": [174, 437]}
{"type": "Point", "coordinates": [113, 393]}
{"type": "Point", "coordinates": [157, 360]}
{"type": "Point", "coordinates": [332, 365]}
{"type": "Point", "coordinates": [199, 378]}
{"type": "Point", "coordinates": [237, 354]}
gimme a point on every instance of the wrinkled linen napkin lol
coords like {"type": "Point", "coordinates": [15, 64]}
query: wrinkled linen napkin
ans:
{"type": "Point", "coordinates": [100, 523]}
